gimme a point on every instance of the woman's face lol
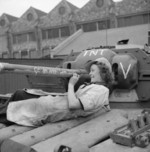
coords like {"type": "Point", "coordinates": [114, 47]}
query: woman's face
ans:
{"type": "Point", "coordinates": [95, 73]}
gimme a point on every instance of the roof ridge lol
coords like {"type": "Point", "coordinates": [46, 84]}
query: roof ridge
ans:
{"type": "Point", "coordinates": [10, 17]}
{"type": "Point", "coordinates": [39, 12]}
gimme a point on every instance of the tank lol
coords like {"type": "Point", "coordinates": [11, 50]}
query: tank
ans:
{"type": "Point", "coordinates": [97, 133]}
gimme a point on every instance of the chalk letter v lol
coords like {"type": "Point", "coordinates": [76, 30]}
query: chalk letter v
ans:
{"type": "Point", "coordinates": [125, 74]}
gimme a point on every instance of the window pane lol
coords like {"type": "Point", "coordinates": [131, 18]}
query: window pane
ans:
{"type": "Point", "coordinates": [50, 35]}
{"type": "Point", "coordinates": [44, 35]}
{"type": "Point", "coordinates": [14, 39]}
{"type": "Point", "coordinates": [5, 55]}
{"type": "Point", "coordinates": [89, 27]}
{"type": "Point", "coordinates": [21, 38]}
{"type": "Point", "coordinates": [15, 54]}
{"type": "Point", "coordinates": [103, 25]}
{"type": "Point", "coordinates": [128, 21]}
{"type": "Point", "coordinates": [137, 19]}
{"type": "Point", "coordinates": [65, 31]}
{"type": "Point", "coordinates": [78, 27]}
{"type": "Point", "coordinates": [32, 49]}
{"type": "Point", "coordinates": [53, 33]}
{"type": "Point", "coordinates": [24, 53]}
{"type": "Point", "coordinates": [32, 36]}
{"type": "Point", "coordinates": [120, 22]}
{"type": "Point", "coordinates": [146, 17]}
{"type": "Point", "coordinates": [148, 40]}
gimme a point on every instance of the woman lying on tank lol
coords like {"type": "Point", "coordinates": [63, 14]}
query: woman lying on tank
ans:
{"type": "Point", "coordinates": [87, 100]}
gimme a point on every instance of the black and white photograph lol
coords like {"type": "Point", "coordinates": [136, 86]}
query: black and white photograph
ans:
{"type": "Point", "coordinates": [74, 75]}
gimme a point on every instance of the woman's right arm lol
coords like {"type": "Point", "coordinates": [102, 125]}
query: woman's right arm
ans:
{"type": "Point", "coordinates": [73, 102]}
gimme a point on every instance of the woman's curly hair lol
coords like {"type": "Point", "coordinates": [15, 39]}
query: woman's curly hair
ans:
{"type": "Point", "coordinates": [105, 73]}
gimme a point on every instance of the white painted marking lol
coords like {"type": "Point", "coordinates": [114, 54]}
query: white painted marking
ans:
{"type": "Point", "coordinates": [125, 73]}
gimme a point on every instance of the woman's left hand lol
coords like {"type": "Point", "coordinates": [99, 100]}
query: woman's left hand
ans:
{"type": "Point", "coordinates": [74, 79]}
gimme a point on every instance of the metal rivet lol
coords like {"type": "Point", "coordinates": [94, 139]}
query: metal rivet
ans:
{"type": "Point", "coordinates": [13, 130]}
{"type": "Point", "coordinates": [32, 136]}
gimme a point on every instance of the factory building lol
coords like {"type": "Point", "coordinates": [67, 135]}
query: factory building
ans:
{"type": "Point", "coordinates": [37, 34]}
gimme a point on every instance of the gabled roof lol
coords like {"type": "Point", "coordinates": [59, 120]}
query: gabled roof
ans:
{"type": "Point", "coordinates": [25, 24]}
{"type": "Point", "coordinates": [91, 11]}
{"type": "Point", "coordinates": [132, 6]}
{"type": "Point", "coordinates": [54, 18]}
{"type": "Point", "coordinates": [10, 17]}
{"type": "Point", "coordinates": [73, 7]}
{"type": "Point", "coordinates": [39, 12]}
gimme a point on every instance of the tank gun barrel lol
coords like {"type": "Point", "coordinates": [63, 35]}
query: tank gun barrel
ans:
{"type": "Point", "coordinates": [39, 70]}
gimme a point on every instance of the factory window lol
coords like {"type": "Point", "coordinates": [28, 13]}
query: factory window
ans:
{"type": "Point", "coordinates": [32, 50]}
{"type": "Point", "coordinates": [30, 17]}
{"type": "Point", "coordinates": [120, 22]}
{"type": "Point", "coordinates": [20, 38]}
{"type": "Point", "coordinates": [15, 54]}
{"type": "Point", "coordinates": [31, 36]}
{"type": "Point", "coordinates": [148, 37]}
{"type": "Point", "coordinates": [99, 3]}
{"type": "Point", "coordinates": [103, 25]}
{"type": "Point", "coordinates": [78, 26]}
{"type": "Point", "coordinates": [5, 54]}
{"type": "Point", "coordinates": [23, 38]}
{"type": "Point", "coordinates": [44, 34]}
{"type": "Point", "coordinates": [133, 20]}
{"type": "Point", "coordinates": [138, 19]}
{"type": "Point", "coordinates": [53, 33]}
{"type": "Point", "coordinates": [2, 22]}
{"type": "Point", "coordinates": [14, 39]}
{"type": "Point", "coordinates": [62, 10]}
{"type": "Point", "coordinates": [128, 21]}
{"type": "Point", "coordinates": [146, 18]}
{"type": "Point", "coordinates": [65, 31]}
{"type": "Point", "coordinates": [87, 27]}
{"type": "Point", "coordinates": [50, 35]}
{"type": "Point", "coordinates": [24, 53]}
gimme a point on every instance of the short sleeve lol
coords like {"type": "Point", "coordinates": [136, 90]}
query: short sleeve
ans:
{"type": "Point", "coordinates": [94, 98]}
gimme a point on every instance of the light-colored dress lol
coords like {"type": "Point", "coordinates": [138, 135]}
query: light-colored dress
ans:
{"type": "Point", "coordinates": [46, 109]}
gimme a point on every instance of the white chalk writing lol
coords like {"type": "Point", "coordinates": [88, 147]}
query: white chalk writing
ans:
{"type": "Point", "coordinates": [85, 53]}
{"type": "Point", "coordinates": [44, 70]}
{"type": "Point", "coordinates": [93, 52]}
{"type": "Point", "coordinates": [125, 73]}
{"type": "Point", "coordinates": [53, 71]}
